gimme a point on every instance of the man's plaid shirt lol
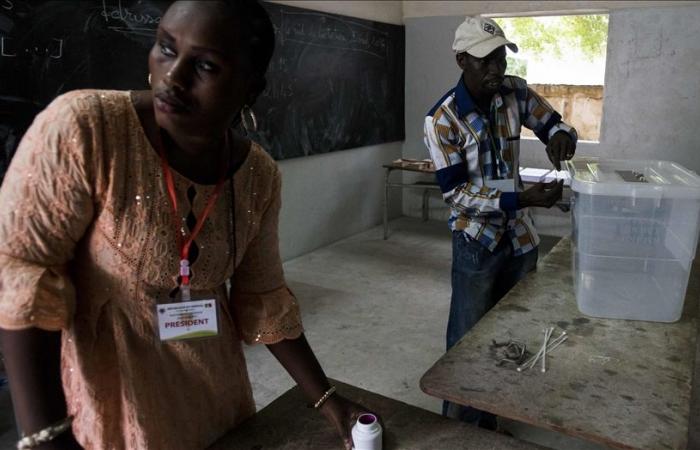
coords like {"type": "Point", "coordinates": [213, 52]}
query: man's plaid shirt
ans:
{"type": "Point", "coordinates": [469, 147]}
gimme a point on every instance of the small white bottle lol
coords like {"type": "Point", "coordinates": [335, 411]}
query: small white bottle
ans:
{"type": "Point", "coordinates": [367, 433]}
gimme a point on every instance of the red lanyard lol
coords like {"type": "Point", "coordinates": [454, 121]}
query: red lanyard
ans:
{"type": "Point", "coordinates": [184, 245]}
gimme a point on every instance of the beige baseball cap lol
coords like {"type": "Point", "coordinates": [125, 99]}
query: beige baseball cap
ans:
{"type": "Point", "coordinates": [479, 36]}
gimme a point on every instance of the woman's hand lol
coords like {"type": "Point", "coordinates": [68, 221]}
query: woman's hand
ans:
{"type": "Point", "coordinates": [342, 414]}
{"type": "Point", "coordinates": [296, 356]}
{"type": "Point", "coordinates": [33, 361]}
{"type": "Point", "coordinates": [65, 441]}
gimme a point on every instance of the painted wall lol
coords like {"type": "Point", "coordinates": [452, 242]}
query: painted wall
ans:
{"type": "Point", "coordinates": [651, 102]}
{"type": "Point", "coordinates": [412, 9]}
{"type": "Point", "coordinates": [331, 196]}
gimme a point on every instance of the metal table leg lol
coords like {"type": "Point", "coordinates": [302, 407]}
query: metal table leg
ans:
{"type": "Point", "coordinates": [426, 199]}
{"type": "Point", "coordinates": [386, 204]}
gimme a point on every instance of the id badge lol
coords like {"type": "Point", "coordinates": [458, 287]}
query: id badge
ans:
{"type": "Point", "coordinates": [505, 185]}
{"type": "Point", "coordinates": [187, 320]}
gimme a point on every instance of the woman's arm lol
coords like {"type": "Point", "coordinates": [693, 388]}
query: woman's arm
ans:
{"type": "Point", "coordinates": [299, 360]}
{"type": "Point", "coordinates": [267, 312]}
{"type": "Point", "coordinates": [32, 361]}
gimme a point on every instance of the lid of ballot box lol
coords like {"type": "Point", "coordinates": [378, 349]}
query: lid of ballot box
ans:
{"type": "Point", "coordinates": [631, 178]}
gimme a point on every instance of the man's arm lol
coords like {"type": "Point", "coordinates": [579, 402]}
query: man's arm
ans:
{"type": "Point", "coordinates": [559, 137]}
{"type": "Point", "coordinates": [453, 177]}
{"type": "Point", "coordinates": [452, 173]}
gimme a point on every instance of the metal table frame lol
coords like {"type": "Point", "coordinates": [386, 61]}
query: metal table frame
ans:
{"type": "Point", "coordinates": [426, 186]}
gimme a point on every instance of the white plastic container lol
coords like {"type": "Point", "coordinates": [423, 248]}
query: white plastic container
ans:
{"type": "Point", "coordinates": [367, 433]}
{"type": "Point", "coordinates": [635, 232]}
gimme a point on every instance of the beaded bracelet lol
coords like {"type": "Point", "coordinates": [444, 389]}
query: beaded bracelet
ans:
{"type": "Point", "coordinates": [48, 434]}
{"type": "Point", "coordinates": [324, 397]}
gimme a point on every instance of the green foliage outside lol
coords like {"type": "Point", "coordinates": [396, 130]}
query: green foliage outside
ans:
{"type": "Point", "coordinates": [553, 36]}
{"type": "Point", "coordinates": [517, 67]}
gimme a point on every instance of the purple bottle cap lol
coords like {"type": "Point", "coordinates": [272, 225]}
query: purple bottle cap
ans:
{"type": "Point", "coordinates": [367, 419]}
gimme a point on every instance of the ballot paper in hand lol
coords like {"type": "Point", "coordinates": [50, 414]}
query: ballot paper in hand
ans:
{"type": "Point", "coordinates": [559, 175]}
{"type": "Point", "coordinates": [534, 175]}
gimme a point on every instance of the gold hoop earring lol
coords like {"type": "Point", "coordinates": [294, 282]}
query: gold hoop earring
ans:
{"type": "Point", "coordinates": [253, 125]}
{"type": "Point", "coordinates": [149, 79]}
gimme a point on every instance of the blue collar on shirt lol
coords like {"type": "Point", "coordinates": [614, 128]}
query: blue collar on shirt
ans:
{"type": "Point", "coordinates": [464, 102]}
{"type": "Point", "coordinates": [463, 99]}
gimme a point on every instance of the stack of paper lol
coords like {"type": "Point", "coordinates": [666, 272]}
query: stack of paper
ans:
{"type": "Point", "coordinates": [534, 175]}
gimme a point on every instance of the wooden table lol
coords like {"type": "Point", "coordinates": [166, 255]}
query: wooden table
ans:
{"type": "Point", "coordinates": [625, 384]}
{"type": "Point", "coordinates": [286, 424]}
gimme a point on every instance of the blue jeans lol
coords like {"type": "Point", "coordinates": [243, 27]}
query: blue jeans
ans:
{"type": "Point", "coordinates": [480, 278]}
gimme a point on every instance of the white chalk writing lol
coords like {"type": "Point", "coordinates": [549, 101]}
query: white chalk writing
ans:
{"type": "Point", "coordinates": [57, 52]}
{"type": "Point", "coordinates": [279, 89]}
{"type": "Point", "coordinates": [327, 31]}
{"type": "Point", "coordinates": [127, 16]}
{"type": "Point", "coordinates": [7, 4]}
{"type": "Point", "coordinates": [52, 49]}
{"type": "Point", "coordinates": [4, 48]}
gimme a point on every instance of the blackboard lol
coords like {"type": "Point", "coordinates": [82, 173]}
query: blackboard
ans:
{"type": "Point", "coordinates": [334, 82]}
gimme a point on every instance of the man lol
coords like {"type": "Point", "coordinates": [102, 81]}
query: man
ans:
{"type": "Point", "coordinates": [473, 136]}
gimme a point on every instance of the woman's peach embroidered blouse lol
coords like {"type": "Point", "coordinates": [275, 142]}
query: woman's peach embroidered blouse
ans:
{"type": "Point", "coordinates": [88, 246]}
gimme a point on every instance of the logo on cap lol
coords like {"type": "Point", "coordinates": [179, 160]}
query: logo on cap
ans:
{"type": "Point", "coordinates": [489, 28]}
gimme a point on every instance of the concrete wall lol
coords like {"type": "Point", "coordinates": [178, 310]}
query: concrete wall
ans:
{"type": "Point", "coordinates": [412, 9]}
{"type": "Point", "coordinates": [651, 103]}
{"type": "Point", "coordinates": [581, 105]}
{"type": "Point", "coordinates": [328, 197]}
{"type": "Point", "coordinates": [651, 106]}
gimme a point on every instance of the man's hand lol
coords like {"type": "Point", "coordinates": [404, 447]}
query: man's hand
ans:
{"type": "Point", "coordinates": [541, 194]}
{"type": "Point", "coordinates": [560, 147]}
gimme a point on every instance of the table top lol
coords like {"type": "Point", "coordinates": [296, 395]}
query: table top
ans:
{"type": "Point", "coordinates": [286, 424]}
{"type": "Point", "coordinates": [525, 176]}
{"type": "Point", "coordinates": [625, 384]}
{"type": "Point", "coordinates": [408, 166]}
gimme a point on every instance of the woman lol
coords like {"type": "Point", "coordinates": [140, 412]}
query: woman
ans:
{"type": "Point", "coordinates": [118, 207]}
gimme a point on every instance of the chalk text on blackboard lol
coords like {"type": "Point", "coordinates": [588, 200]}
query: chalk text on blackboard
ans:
{"type": "Point", "coordinates": [127, 16]}
{"type": "Point", "coordinates": [53, 49]}
{"type": "Point", "coordinates": [325, 30]}
{"type": "Point", "coordinates": [4, 48]}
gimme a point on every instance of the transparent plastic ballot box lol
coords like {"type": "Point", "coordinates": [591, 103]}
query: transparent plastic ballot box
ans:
{"type": "Point", "coordinates": [635, 234]}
